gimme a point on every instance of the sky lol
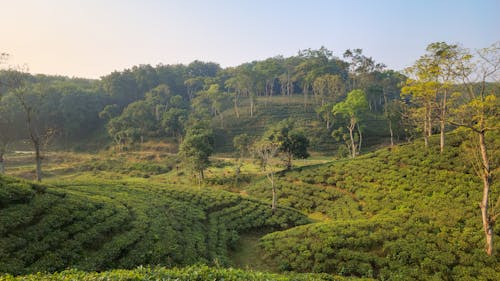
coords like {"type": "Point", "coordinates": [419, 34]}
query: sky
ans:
{"type": "Point", "coordinates": [92, 38]}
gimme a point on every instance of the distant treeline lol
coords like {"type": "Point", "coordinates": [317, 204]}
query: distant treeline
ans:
{"type": "Point", "coordinates": [151, 102]}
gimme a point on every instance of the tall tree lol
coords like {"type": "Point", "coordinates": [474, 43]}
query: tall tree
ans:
{"type": "Point", "coordinates": [292, 142]}
{"type": "Point", "coordinates": [197, 147]}
{"type": "Point", "coordinates": [479, 114]}
{"type": "Point", "coordinates": [40, 129]}
{"type": "Point", "coordinates": [266, 150]}
{"type": "Point", "coordinates": [328, 87]}
{"type": "Point", "coordinates": [8, 127]}
{"type": "Point", "coordinates": [433, 77]}
{"type": "Point", "coordinates": [353, 109]}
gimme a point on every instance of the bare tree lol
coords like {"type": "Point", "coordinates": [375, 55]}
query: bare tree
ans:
{"type": "Point", "coordinates": [39, 131]}
{"type": "Point", "coordinates": [265, 151]}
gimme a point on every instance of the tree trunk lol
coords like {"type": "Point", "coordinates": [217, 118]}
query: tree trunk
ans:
{"type": "Point", "coordinates": [236, 111]}
{"type": "Point", "coordinates": [251, 106]}
{"type": "Point", "coordinates": [351, 135]}
{"type": "Point", "coordinates": [306, 93]}
{"type": "Point", "coordinates": [386, 112]}
{"type": "Point", "coordinates": [289, 161]}
{"type": "Point", "coordinates": [429, 121]}
{"type": "Point", "coordinates": [360, 138]}
{"type": "Point", "coordinates": [275, 199]}
{"type": "Point", "coordinates": [442, 121]}
{"type": "Point", "coordinates": [486, 176]}
{"type": "Point", "coordinates": [391, 132]}
{"type": "Point", "coordinates": [38, 158]}
{"type": "Point", "coordinates": [2, 164]}
{"type": "Point", "coordinates": [426, 129]}
{"type": "Point", "coordinates": [202, 175]}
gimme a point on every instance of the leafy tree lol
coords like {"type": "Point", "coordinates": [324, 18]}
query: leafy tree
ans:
{"type": "Point", "coordinates": [109, 112]}
{"type": "Point", "coordinates": [242, 144]}
{"type": "Point", "coordinates": [174, 120]}
{"type": "Point", "coordinates": [391, 81]}
{"type": "Point", "coordinates": [325, 113]}
{"type": "Point", "coordinates": [8, 127]}
{"type": "Point", "coordinates": [433, 76]}
{"type": "Point", "coordinates": [136, 121]}
{"type": "Point", "coordinates": [328, 87]}
{"type": "Point", "coordinates": [292, 142]}
{"type": "Point", "coordinates": [197, 147]}
{"type": "Point", "coordinates": [352, 109]}
{"type": "Point", "coordinates": [422, 94]}
{"type": "Point", "coordinates": [79, 110]}
{"type": "Point", "coordinates": [121, 87]}
{"type": "Point", "coordinates": [315, 63]}
{"type": "Point", "coordinates": [360, 68]}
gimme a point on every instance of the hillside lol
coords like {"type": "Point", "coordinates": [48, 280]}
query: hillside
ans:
{"type": "Point", "coordinates": [401, 214]}
{"type": "Point", "coordinates": [277, 108]}
{"type": "Point", "coordinates": [405, 213]}
{"type": "Point", "coordinates": [99, 226]}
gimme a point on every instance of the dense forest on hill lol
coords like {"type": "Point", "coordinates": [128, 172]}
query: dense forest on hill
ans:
{"type": "Point", "coordinates": [146, 102]}
{"type": "Point", "coordinates": [310, 167]}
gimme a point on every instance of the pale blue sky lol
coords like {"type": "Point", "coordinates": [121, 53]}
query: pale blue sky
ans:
{"type": "Point", "coordinates": [94, 37]}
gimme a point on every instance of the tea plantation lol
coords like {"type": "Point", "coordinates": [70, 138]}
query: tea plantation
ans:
{"type": "Point", "coordinates": [401, 214]}
{"type": "Point", "coordinates": [92, 226]}
{"type": "Point", "coordinates": [191, 273]}
{"type": "Point", "coordinates": [405, 213]}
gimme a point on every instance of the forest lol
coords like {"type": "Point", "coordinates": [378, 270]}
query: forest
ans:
{"type": "Point", "coordinates": [315, 166]}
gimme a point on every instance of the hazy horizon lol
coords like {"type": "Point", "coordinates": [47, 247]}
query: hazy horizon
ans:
{"type": "Point", "coordinates": [93, 38]}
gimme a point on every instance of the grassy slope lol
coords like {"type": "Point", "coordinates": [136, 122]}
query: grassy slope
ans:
{"type": "Point", "coordinates": [275, 109]}
{"type": "Point", "coordinates": [404, 214]}
{"type": "Point", "coordinates": [104, 225]}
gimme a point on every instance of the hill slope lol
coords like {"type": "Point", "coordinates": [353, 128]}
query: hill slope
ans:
{"type": "Point", "coordinates": [405, 214]}
{"type": "Point", "coordinates": [99, 226]}
{"type": "Point", "coordinates": [277, 108]}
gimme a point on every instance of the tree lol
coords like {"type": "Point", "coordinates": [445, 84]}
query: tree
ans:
{"type": "Point", "coordinates": [325, 113]}
{"type": "Point", "coordinates": [242, 144]}
{"type": "Point", "coordinates": [40, 129]}
{"type": "Point", "coordinates": [328, 87]}
{"type": "Point", "coordinates": [266, 150]}
{"type": "Point", "coordinates": [292, 142]}
{"type": "Point", "coordinates": [197, 147]}
{"type": "Point", "coordinates": [353, 109]}
{"type": "Point", "coordinates": [479, 114]}
{"type": "Point", "coordinates": [422, 94]}
{"type": "Point", "coordinates": [8, 127]}
{"type": "Point", "coordinates": [433, 77]}
{"type": "Point", "coordinates": [391, 81]}
{"type": "Point", "coordinates": [360, 67]}
{"type": "Point", "coordinates": [136, 121]}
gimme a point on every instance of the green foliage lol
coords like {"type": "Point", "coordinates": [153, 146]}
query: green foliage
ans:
{"type": "Point", "coordinates": [291, 141]}
{"type": "Point", "coordinates": [196, 147]}
{"type": "Point", "coordinates": [242, 144]}
{"type": "Point", "coordinates": [191, 273]}
{"type": "Point", "coordinates": [351, 111]}
{"type": "Point", "coordinates": [100, 226]}
{"type": "Point", "coordinates": [402, 214]}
